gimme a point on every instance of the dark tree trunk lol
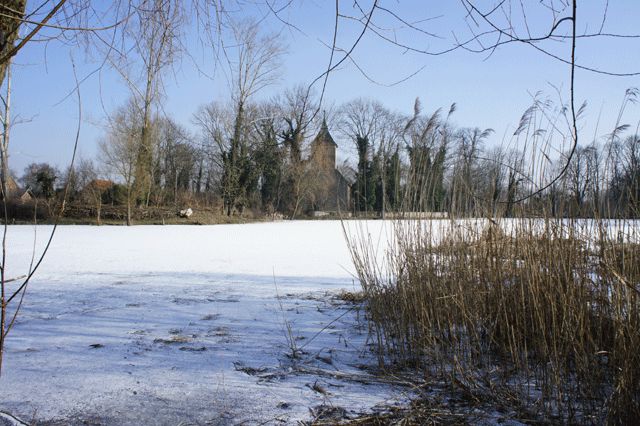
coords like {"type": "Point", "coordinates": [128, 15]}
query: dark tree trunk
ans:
{"type": "Point", "coordinates": [10, 21]}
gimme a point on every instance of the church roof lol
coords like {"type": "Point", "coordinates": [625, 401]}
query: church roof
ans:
{"type": "Point", "coordinates": [100, 184]}
{"type": "Point", "coordinates": [12, 186]}
{"type": "Point", "coordinates": [324, 135]}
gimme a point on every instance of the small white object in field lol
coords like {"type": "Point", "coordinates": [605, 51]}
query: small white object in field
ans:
{"type": "Point", "coordinates": [186, 212]}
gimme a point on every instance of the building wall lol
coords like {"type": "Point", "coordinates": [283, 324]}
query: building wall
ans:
{"type": "Point", "coordinates": [332, 192]}
{"type": "Point", "coordinates": [323, 154]}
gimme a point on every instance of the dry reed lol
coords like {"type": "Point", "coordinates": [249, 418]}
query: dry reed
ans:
{"type": "Point", "coordinates": [532, 310]}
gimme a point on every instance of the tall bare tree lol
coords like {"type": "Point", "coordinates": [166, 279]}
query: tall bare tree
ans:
{"type": "Point", "coordinates": [465, 193]}
{"type": "Point", "coordinates": [427, 138]}
{"type": "Point", "coordinates": [153, 43]}
{"type": "Point", "coordinates": [361, 121]}
{"type": "Point", "coordinates": [253, 65]}
{"type": "Point", "coordinates": [175, 159]}
{"type": "Point", "coordinates": [120, 149]}
{"type": "Point", "coordinates": [296, 110]}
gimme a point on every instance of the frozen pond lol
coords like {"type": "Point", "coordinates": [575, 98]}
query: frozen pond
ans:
{"type": "Point", "coordinates": [198, 324]}
{"type": "Point", "coordinates": [191, 324]}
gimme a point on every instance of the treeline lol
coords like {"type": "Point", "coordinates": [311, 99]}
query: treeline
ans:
{"type": "Point", "coordinates": [242, 156]}
{"type": "Point", "coordinates": [255, 157]}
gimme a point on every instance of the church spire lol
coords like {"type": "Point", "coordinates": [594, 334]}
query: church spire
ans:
{"type": "Point", "coordinates": [323, 134]}
{"type": "Point", "coordinates": [324, 129]}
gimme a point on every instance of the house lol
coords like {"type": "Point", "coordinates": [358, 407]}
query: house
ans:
{"type": "Point", "coordinates": [14, 191]}
{"type": "Point", "coordinates": [12, 186]}
{"type": "Point", "coordinates": [95, 190]}
{"type": "Point", "coordinates": [26, 196]}
{"type": "Point", "coordinates": [99, 185]}
{"type": "Point", "coordinates": [332, 190]}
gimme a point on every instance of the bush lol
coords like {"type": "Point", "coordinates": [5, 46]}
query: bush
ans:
{"type": "Point", "coordinates": [27, 211]}
{"type": "Point", "coordinates": [115, 195]}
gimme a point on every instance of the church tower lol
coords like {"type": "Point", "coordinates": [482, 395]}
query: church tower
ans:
{"type": "Point", "coordinates": [332, 191]}
{"type": "Point", "coordinates": [323, 150]}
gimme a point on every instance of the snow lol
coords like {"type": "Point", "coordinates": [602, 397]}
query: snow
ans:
{"type": "Point", "coordinates": [188, 324]}
{"type": "Point", "coordinates": [197, 324]}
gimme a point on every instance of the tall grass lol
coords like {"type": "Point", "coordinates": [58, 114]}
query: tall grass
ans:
{"type": "Point", "coordinates": [537, 315]}
{"type": "Point", "coordinates": [533, 312]}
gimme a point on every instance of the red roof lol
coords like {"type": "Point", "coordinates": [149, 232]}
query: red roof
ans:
{"type": "Point", "coordinates": [101, 184]}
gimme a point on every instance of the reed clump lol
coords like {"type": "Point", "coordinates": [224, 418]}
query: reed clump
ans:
{"type": "Point", "coordinates": [542, 315]}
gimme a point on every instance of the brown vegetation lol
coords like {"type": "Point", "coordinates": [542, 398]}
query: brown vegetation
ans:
{"type": "Point", "coordinates": [536, 311]}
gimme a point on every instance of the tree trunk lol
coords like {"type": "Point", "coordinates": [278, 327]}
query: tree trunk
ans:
{"type": "Point", "coordinates": [143, 179]}
{"type": "Point", "coordinates": [129, 207]}
{"type": "Point", "coordinates": [10, 21]}
{"type": "Point", "coordinates": [98, 213]}
{"type": "Point", "coordinates": [199, 179]}
{"type": "Point", "coordinates": [4, 148]}
{"type": "Point", "coordinates": [233, 178]}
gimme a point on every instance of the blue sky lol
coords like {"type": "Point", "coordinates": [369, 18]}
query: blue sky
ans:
{"type": "Point", "coordinates": [489, 91]}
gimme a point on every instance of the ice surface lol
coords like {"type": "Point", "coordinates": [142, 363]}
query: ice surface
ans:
{"type": "Point", "coordinates": [191, 324]}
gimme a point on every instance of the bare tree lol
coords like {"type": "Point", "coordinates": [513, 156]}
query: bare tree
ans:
{"type": "Point", "coordinates": [153, 42]}
{"type": "Point", "coordinates": [175, 159]}
{"type": "Point", "coordinates": [556, 30]}
{"type": "Point", "coordinates": [254, 66]}
{"type": "Point", "coordinates": [361, 122]}
{"type": "Point", "coordinates": [427, 139]}
{"type": "Point", "coordinates": [388, 144]}
{"type": "Point", "coordinates": [579, 179]}
{"type": "Point", "coordinates": [24, 22]}
{"type": "Point", "coordinates": [215, 122]}
{"type": "Point", "coordinates": [120, 149]}
{"type": "Point", "coordinates": [296, 109]}
{"type": "Point", "coordinates": [493, 180]}
{"type": "Point", "coordinates": [91, 188]}
{"type": "Point", "coordinates": [626, 181]}
{"type": "Point", "coordinates": [464, 189]}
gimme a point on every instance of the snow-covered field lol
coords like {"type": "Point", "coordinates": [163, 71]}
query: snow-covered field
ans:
{"type": "Point", "coordinates": [188, 325]}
